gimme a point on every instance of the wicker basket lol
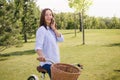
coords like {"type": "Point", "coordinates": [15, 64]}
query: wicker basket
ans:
{"type": "Point", "coordinates": [61, 71]}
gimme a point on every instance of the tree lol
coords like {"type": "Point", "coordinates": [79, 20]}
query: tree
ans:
{"type": "Point", "coordinates": [14, 22]}
{"type": "Point", "coordinates": [29, 18]}
{"type": "Point", "coordinates": [80, 6]}
{"type": "Point", "coordinates": [9, 31]}
{"type": "Point", "coordinates": [115, 23]}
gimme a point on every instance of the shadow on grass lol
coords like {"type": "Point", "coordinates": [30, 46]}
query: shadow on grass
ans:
{"type": "Point", "coordinates": [117, 70]}
{"type": "Point", "coordinates": [3, 59]}
{"type": "Point", "coordinates": [112, 45]}
{"type": "Point", "coordinates": [18, 53]}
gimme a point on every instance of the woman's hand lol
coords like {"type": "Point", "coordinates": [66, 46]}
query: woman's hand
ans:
{"type": "Point", "coordinates": [53, 24]}
{"type": "Point", "coordinates": [41, 58]}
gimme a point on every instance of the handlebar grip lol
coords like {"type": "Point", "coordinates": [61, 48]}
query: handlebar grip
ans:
{"type": "Point", "coordinates": [49, 60]}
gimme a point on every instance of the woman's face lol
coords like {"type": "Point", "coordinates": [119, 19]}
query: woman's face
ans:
{"type": "Point", "coordinates": [48, 17]}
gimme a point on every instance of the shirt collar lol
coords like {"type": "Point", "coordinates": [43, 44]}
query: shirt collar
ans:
{"type": "Point", "coordinates": [48, 27]}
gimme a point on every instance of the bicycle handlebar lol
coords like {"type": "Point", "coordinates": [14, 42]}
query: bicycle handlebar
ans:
{"type": "Point", "coordinates": [49, 60]}
{"type": "Point", "coordinates": [78, 65]}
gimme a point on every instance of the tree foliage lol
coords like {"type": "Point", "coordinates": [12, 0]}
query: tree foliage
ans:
{"type": "Point", "coordinates": [80, 5]}
{"type": "Point", "coordinates": [9, 31]}
{"type": "Point", "coordinates": [70, 21]}
{"type": "Point", "coordinates": [15, 21]}
{"type": "Point", "coordinates": [29, 18]}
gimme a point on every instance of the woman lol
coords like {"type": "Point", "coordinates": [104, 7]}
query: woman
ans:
{"type": "Point", "coordinates": [47, 37]}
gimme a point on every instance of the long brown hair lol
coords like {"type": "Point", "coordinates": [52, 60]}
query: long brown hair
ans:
{"type": "Point", "coordinates": [42, 17]}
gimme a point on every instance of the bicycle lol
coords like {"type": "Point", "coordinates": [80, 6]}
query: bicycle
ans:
{"type": "Point", "coordinates": [43, 71]}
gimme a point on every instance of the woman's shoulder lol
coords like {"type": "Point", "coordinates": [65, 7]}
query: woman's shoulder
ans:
{"type": "Point", "coordinates": [41, 28]}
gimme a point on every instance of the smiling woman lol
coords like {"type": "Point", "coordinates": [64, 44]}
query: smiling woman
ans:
{"type": "Point", "coordinates": [47, 37]}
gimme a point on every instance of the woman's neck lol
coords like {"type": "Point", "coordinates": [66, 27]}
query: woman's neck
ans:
{"type": "Point", "coordinates": [48, 24]}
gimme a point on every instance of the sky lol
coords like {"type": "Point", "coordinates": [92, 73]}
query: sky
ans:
{"type": "Point", "coordinates": [102, 8]}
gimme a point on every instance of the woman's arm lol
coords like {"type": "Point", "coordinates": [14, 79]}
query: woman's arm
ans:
{"type": "Point", "coordinates": [57, 33]}
{"type": "Point", "coordinates": [40, 55]}
{"type": "Point", "coordinates": [59, 36]}
{"type": "Point", "coordinates": [39, 43]}
{"type": "Point", "coordinates": [53, 26]}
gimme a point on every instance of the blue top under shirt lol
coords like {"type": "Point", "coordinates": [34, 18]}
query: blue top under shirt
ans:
{"type": "Point", "coordinates": [46, 40]}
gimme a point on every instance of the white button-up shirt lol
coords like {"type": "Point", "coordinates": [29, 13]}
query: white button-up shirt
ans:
{"type": "Point", "coordinates": [46, 40]}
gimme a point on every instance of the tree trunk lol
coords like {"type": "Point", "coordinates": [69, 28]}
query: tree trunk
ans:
{"type": "Point", "coordinates": [80, 19]}
{"type": "Point", "coordinates": [75, 25]}
{"type": "Point", "coordinates": [25, 37]}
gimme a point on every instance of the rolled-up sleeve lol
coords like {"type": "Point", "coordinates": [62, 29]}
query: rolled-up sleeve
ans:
{"type": "Point", "coordinates": [60, 39]}
{"type": "Point", "coordinates": [40, 38]}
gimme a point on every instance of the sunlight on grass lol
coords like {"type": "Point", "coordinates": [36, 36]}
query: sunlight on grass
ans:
{"type": "Point", "coordinates": [99, 56]}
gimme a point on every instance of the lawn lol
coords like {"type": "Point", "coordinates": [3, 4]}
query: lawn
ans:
{"type": "Point", "coordinates": [99, 56]}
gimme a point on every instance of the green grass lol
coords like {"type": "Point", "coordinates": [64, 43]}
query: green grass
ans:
{"type": "Point", "coordinates": [100, 56]}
